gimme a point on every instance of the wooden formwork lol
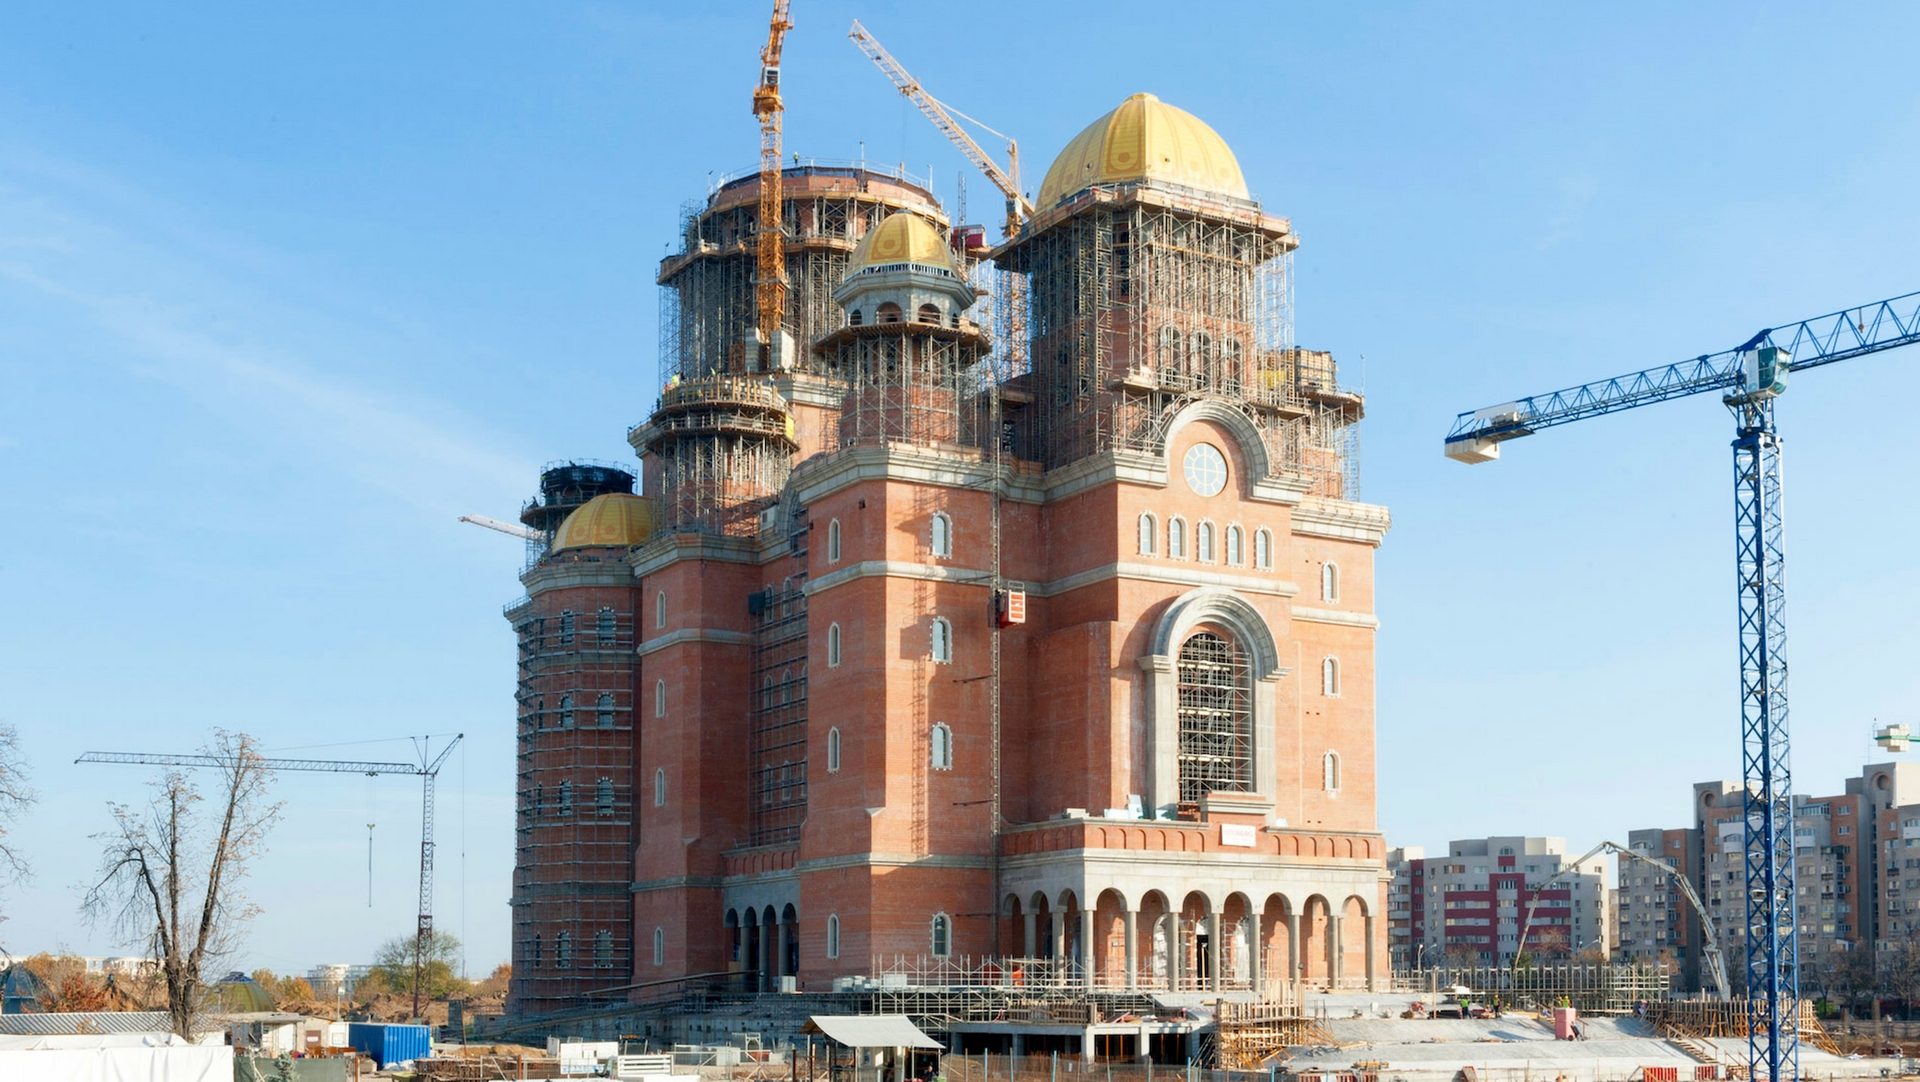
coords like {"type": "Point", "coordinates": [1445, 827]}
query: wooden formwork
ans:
{"type": "Point", "coordinates": [1729, 1018]}
{"type": "Point", "coordinates": [1250, 1034]}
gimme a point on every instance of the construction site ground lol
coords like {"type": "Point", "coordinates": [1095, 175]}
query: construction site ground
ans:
{"type": "Point", "coordinates": [1370, 1036]}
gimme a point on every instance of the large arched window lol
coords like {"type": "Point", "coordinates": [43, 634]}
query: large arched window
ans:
{"type": "Point", "coordinates": [660, 609]}
{"type": "Point", "coordinates": [566, 628]}
{"type": "Point", "coordinates": [833, 935]}
{"type": "Point", "coordinates": [603, 798]}
{"type": "Point", "coordinates": [833, 541]}
{"type": "Point", "coordinates": [538, 961]}
{"type": "Point", "coordinates": [941, 535]}
{"type": "Point", "coordinates": [563, 950]}
{"type": "Point", "coordinates": [1168, 357]}
{"type": "Point", "coordinates": [941, 641]}
{"type": "Point", "coordinates": [1330, 677]}
{"type": "Point", "coordinates": [1263, 549]}
{"type": "Point", "coordinates": [605, 626]}
{"type": "Point", "coordinates": [833, 750]}
{"type": "Point", "coordinates": [660, 787]}
{"type": "Point", "coordinates": [566, 800]}
{"type": "Point", "coordinates": [1236, 546]}
{"type": "Point", "coordinates": [1330, 772]}
{"type": "Point", "coordinates": [1216, 717]}
{"type": "Point", "coordinates": [603, 949]}
{"type": "Point", "coordinates": [1149, 535]}
{"type": "Point", "coordinates": [1176, 538]}
{"type": "Point", "coordinates": [833, 646]}
{"type": "Point", "coordinates": [888, 312]}
{"type": "Point", "coordinates": [940, 747]}
{"type": "Point", "coordinates": [940, 937]}
{"type": "Point", "coordinates": [659, 698]}
{"type": "Point", "coordinates": [1203, 542]}
{"type": "Point", "coordinates": [659, 946]}
{"type": "Point", "coordinates": [603, 710]}
{"type": "Point", "coordinates": [1329, 581]}
{"type": "Point", "coordinates": [929, 313]}
{"type": "Point", "coordinates": [566, 711]}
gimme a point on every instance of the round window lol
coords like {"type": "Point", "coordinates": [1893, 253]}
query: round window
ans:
{"type": "Point", "coordinates": [1206, 469]}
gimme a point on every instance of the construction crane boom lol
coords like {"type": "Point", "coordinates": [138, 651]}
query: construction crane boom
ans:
{"type": "Point", "coordinates": [1811, 343]}
{"type": "Point", "coordinates": [1709, 934]}
{"type": "Point", "coordinates": [1749, 377]}
{"type": "Point", "coordinates": [512, 529]}
{"type": "Point", "coordinates": [770, 279]}
{"type": "Point", "coordinates": [1019, 208]}
{"type": "Point", "coordinates": [427, 769]}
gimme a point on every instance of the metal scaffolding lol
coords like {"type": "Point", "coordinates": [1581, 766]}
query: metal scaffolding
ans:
{"type": "Point", "coordinates": [909, 382]}
{"type": "Point", "coordinates": [722, 435]}
{"type": "Point", "coordinates": [572, 911]}
{"type": "Point", "coordinates": [1141, 301]}
{"type": "Point", "coordinates": [777, 739]}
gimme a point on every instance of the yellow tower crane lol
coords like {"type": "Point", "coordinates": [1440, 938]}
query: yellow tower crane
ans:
{"type": "Point", "coordinates": [770, 281]}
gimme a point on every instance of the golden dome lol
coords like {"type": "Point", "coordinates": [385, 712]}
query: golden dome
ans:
{"type": "Point", "coordinates": [1145, 139]}
{"type": "Point", "coordinates": [902, 238]}
{"type": "Point", "coordinates": [618, 519]}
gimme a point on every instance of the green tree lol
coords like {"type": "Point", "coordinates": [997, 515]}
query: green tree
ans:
{"type": "Point", "coordinates": [394, 964]}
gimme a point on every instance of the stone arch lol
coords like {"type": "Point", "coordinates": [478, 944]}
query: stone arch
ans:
{"type": "Point", "coordinates": [1108, 959]}
{"type": "Point", "coordinates": [1253, 449]}
{"type": "Point", "coordinates": [1186, 614]}
{"type": "Point", "coordinates": [1279, 955]}
{"type": "Point", "coordinates": [1316, 942]}
{"type": "Point", "coordinates": [1238, 921]}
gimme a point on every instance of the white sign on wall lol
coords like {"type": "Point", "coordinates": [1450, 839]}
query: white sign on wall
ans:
{"type": "Point", "coordinates": [1239, 834]}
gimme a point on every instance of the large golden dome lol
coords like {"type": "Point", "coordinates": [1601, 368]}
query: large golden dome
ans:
{"type": "Point", "coordinates": [618, 519]}
{"type": "Point", "coordinates": [902, 237]}
{"type": "Point", "coordinates": [1145, 139]}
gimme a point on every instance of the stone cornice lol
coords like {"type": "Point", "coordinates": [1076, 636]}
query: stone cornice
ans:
{"type": "Point", "coordinates": [892, 860]}
{"type": "Point", "coordinates": [674, 547]}
{"type": "Point", "coordinates": [1341, 520]}
{"type": "Point", "coordinates": [1334, 616]}
{"type": "Point", "coordinates": [1172, 574]}
{"type": "Point", "coordinates": [825, 474]}
{"type": "Point", "coordinates": [559, 574]}
{"type": "Point", "coordinates": [694, 634]}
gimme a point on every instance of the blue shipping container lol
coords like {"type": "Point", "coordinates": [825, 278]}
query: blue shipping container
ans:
{"type": "Point", "coordinates": [388, 1043]}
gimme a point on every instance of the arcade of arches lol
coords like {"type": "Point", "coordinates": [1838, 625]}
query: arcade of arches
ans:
{"type": "Point", "coordinates": [1200, 942]}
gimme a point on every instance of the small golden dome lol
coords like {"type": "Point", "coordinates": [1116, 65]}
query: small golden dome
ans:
{"type": "Point", "coordinates": [618, 519]}
{"type": "Point", "coordinates": [902, 238]}
{"type": "Point", "coordinates": [1145, 139]}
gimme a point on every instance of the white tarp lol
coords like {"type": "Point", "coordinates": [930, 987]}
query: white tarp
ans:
{"type": "Point", "coordinates": [113, 1057]}
{"type": "Point", "coordinates": [872, 1030]}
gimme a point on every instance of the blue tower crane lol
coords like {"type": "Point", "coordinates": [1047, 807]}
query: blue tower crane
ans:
{"type": "Point", "coordinates": [1749, 377]}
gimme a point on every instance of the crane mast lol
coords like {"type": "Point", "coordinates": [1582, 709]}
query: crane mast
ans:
{"type": "Point", "coordinates": [427, 769]}
{"type": "Point", "coordinates": [1748, 377]}
{"type": "Point", "coordinates": [770, 279]}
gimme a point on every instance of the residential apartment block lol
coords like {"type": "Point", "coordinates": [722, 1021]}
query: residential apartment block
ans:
{"type": "Point", "coordinates": [1856, 859]}
{"type": "Point", "coordinates": [1469, 907]}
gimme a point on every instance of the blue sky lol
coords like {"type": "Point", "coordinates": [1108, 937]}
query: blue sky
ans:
{"type": "Point", "coordinates": [283, 292]}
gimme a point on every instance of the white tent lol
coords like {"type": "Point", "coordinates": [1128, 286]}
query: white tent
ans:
{"type": "Point", "coordinates": [113, 1057]}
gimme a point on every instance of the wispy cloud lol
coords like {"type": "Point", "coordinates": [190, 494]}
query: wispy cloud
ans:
{"type": "Point", "coordinates": [187, 306]}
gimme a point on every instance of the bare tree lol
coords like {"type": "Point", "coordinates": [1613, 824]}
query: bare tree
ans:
{"type": "Point", "coordinates": [173, 881]}
{"type": "Point", "coordinates": [15, 795]}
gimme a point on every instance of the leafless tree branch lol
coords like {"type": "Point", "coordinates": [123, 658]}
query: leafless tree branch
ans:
{"type": "Point", "coordinates": [166, 881]}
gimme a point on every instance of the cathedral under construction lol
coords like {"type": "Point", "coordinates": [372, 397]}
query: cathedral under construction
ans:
{"type": "Point", "coordinates": [1010, 610]}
